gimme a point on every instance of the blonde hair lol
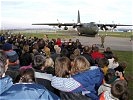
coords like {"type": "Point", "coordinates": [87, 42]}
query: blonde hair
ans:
{"type": "Point", "coordinates": [57, 49]}
{"type": "Point", "coordinates": [80, 64]}
{"type": "Point", "coordinates": [62, 66]}
{"type": "Point", "coordinates": [26, 48]}
{"type": "Point", "coordinates": [76, 52]}
{"type": "Point", "coordinates": [49, 62]}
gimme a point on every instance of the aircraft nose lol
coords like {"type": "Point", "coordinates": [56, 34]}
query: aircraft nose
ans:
{"type": "Point", "coordinates": [95, 28]}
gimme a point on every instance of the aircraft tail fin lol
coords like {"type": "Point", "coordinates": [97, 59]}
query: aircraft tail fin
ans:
{"type": "Point", "coordinates": [78, 20]}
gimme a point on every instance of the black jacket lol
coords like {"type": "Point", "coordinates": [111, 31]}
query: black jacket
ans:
{"type": "Point", "coordinates": [89, 58]}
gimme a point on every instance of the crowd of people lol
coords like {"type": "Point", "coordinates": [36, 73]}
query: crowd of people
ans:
{"type": "Point", "coordinates": [40, 68]}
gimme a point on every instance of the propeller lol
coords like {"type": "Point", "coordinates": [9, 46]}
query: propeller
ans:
{"type": "Point", "coordinates": [58, 23]}
{"type": "Point", "coordinates": [103, 27]}
{"type": "Point", "coordinates": [74, 25]}
{"type": "Point", "coordinates": [65, 28]}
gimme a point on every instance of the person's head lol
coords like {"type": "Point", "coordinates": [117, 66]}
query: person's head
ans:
{"type": "Point", "coordinates": [93, 46]}
{"type": "Point", "coordinates": [47, 51]}
{"type": "Point", "coordinates": [26, 48]}
{"type": "Point", "coordinates": [35, 51]}
{"type": "Point", "coordinates": [39, 61]}
{"type": "Point", "coordinates": [70, 40]}
{"type": "Point", "coordinates": [123, 64]}
{"type": "Point", "coordinates": [27, 76]}
{"type": "Point", "coordinates": [96, 49]}
{"type": "Point", "coordinates": [49, 62]}
{"type": "Point", "coordinates": [57, 49]}
{"type": "Point", "coordinates": [108, 53]}
{"type": "Point", "coordinates": [62, 66]}
{"type": "Point", "coordinates": [86, 49]}
{"type": "Point", "coordinates": [108, 49]}
{"type": "Point", "coordinates": [110, 76]}
{"type": "Point", "coordinates": [102, 62]}
{"type": "Point", "coordinates": [115, 58]}
{"type": "Point", "coordinates": [77, 40]}
{"type": "Point", "coordinates": [3, 63]}
{"type": "Point", "coordinates": [58, 39]}
{"type": "Point", "coordinates": [80, 64]}
{"type": "Point", "coordinates": [119, 89]}
{"type": "Point", "coordinates": [76, 52]}
{"type": "Point", "coordinates": [64, 52]}
{"type": "Point", "coordinates": [7, 46]}
{"type": "Point", "coordinates": [35, 46]}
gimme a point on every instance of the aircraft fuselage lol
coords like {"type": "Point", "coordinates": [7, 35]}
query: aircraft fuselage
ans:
{"type": "Point", "coordinates": [90, 29]}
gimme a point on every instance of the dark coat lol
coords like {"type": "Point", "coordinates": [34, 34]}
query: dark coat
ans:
{"type": "Point", "coordinates": [89, 58]}
{"type": "Point", "coordinates": [25, 59]}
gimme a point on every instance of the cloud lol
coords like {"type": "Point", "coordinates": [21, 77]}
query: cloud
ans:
{"type": "Point", "coordinates": [44, 11]}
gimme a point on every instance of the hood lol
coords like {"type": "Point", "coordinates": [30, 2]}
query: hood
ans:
{"type": "Point", "coordinates": [28, 91]}
{"type": "Point", "coordinates": [5, 84]}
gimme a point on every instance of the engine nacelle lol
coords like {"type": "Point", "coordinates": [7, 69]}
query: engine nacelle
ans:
{"type": "Point", "coordinates": [74, 25]}
{"type": "Point", "coordinates": [105, 28]}
{"type": "Point", "coordinates": [59, 26]}
{"type": "Point", "coordinates": [65, 28]}
{"type": "Point", "coordinates": [114, 26]}
{"type": "Point", "coordinates": [101, 27]}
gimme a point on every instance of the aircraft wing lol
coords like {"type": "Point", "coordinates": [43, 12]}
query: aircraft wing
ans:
{"type": "Point", "coordinates": [112, 25]}
{"type": "Point", "coordinates": [59, 24]}
{"type": "Point", "coordinates": [104, 26]}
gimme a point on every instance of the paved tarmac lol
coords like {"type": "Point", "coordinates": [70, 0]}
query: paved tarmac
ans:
{"type": "Point", "coordinates": [115, 43]}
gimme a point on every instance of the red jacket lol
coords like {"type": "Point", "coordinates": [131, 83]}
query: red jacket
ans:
{"type": "Point", "coordinates": [96, 55]}
{"type": "Point", "coordinates": [58, 42]}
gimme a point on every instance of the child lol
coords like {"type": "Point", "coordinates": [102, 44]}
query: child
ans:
{"type": "Point", "coordinates": [118, 91]}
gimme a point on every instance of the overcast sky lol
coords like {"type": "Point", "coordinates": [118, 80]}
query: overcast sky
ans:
{"type": "Point", "coordinates": [22, 13]}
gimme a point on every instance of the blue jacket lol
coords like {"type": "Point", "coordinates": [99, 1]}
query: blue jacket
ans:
{"type": "Point", "coordinates": [90, 81]}
{"type": "Point", "coordinates": [25, 91]}
{"type": "Point", "coordinates": [5, 84]}
{"type": "Point", "coordinates": [86, 82]}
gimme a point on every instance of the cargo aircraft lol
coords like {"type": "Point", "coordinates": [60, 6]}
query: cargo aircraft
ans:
{"type": "Point", "coordinates": [89, 29]}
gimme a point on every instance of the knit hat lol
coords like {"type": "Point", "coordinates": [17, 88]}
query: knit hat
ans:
{"type": "Point", "coordinates": [39, 60]}
{"type": "Point", "coordinates": [7, 46]}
